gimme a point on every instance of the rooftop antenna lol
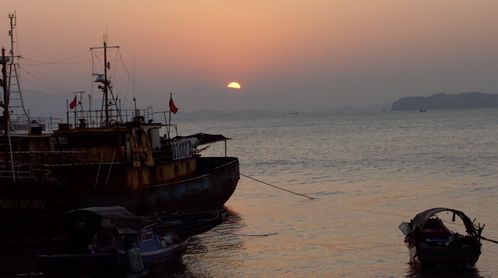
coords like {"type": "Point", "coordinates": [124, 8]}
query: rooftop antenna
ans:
{"type": "Point", "coordinates": [16, 103]}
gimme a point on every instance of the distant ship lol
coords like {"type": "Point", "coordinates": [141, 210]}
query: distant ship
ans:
{"type": "Point", "coordinates": [107, 157]}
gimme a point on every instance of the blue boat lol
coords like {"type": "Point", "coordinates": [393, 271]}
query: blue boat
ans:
{"type": "Point", "coordinates": [112, 239]}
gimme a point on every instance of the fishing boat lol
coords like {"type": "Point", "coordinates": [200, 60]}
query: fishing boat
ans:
{"type": "Point", "coordinates": [112, 239]}
{"type": "Point", "coordinates": [106, 157]}
{"type": "Point", "coordinates": [431, 242]}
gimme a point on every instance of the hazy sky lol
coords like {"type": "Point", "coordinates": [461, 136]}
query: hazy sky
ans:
{"type": "Point", "coordinates": [287, 55]}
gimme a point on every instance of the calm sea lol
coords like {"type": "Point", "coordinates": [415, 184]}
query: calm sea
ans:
{"type": "Point", "coordinates": [368, 172]}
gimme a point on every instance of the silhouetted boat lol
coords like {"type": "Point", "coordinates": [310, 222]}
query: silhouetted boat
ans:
{"type": "Point", "coordinates": [432, 243]}
{"type": "Point", "coordinates": [107, 157]}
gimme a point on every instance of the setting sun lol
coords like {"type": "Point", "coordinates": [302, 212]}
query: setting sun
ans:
{"type": "Point", "coordinates": [233, 85]}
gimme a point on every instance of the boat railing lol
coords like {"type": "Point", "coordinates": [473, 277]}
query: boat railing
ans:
{"type": "Point", "coordinates": [34, 125]}
{"type": "Point", "coordinates": [97, 118]}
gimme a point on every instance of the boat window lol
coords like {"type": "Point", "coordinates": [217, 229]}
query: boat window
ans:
{"type": "Point", "coordinates": [181, 149]}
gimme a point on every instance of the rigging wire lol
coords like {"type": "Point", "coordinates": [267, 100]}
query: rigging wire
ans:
{"type": "Point", "coordinates": [117, 72]}
{"type": "Point", "coordinates": [49, 63]}
{"type": "Point", "coordinates": [43, 83]}
{"type": "Point", "coordinates": [59, 61]}
{"type": "Point", "coordinates": [130, 78]}
{"type": "Point", "coordinates": [96, 60]}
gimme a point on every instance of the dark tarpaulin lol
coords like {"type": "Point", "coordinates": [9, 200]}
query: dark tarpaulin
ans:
{"type": "Point", "coordinates": [205, 138]}
{"type": "Point", "coordinates": [112, 217]}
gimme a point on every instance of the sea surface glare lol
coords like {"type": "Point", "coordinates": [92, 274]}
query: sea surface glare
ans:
{"type": "Point", "coordinates": [368, 172]}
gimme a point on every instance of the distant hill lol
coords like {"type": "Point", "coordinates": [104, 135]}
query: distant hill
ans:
{"type": "Point", "coordinates": [470, 100]}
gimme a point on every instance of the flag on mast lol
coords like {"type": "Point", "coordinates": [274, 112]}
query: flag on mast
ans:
{"type": "Point", "coordinates": [172, 106]}
{"type": "Point", "coordinates": [73, 103]}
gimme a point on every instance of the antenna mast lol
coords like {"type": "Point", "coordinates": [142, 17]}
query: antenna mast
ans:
{"type": "Point", "coordinates": [6, 117]}
{"type": "Point", "coordinates": [16, 103]}
{"type": "Point", "coordinates": [5, 103]}
{"type": "Point", "coordinates": [106, 87]}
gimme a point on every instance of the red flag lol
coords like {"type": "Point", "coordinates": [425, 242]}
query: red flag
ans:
{"type": "Point", "coordinates": [73, 103]}
{"type": "Point", "coordinates": [172, 106]}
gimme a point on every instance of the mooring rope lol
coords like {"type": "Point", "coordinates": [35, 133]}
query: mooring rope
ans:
{"type": "Point", "coordinates": [490, 240]}
{"type": "Point", "coordinates": [278, 187]}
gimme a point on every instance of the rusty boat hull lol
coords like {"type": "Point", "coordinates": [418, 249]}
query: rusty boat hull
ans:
{"type": "Point", "coordinates": [33, 204]}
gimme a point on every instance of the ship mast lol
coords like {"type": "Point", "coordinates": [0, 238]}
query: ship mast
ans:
{"type": "Point", "coordinates": [106, 87]}
{"type": "Point", "coordinates": [5, 103]}
{"type": "Point", "coordinates": [6, 115]}
{"type": "Point", "coordinates": [16, 103]}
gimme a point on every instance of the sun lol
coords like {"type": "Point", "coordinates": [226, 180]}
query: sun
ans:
{"type": "Point", "coordinates": [233, 85]}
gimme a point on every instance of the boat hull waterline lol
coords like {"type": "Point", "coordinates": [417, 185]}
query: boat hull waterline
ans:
{"type": "Point", "coordinates": [30, 204]}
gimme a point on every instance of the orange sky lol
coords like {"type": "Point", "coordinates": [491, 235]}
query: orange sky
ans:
{"type": "Point", "coordinates": [287, 54]}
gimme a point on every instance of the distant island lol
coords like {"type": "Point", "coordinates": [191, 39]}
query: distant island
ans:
{"type": "Point", "coordinates": [470, 100]}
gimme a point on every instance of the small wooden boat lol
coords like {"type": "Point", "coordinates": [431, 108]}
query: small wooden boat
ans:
{"type": "Point", "coordinates": [112, 239]}
{"type": "Point", "coordinates": [432, 243]}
